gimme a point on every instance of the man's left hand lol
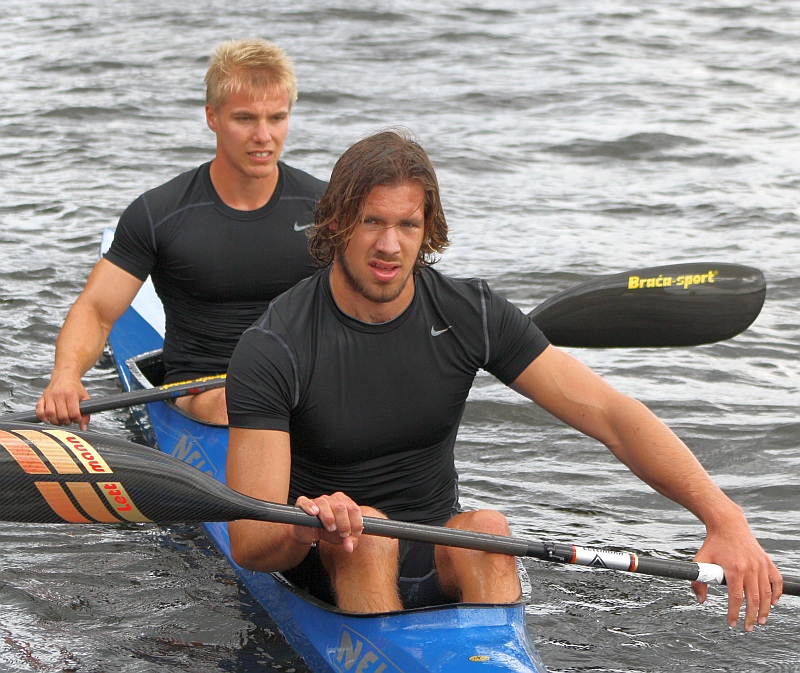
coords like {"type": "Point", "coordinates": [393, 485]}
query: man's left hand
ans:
{"type": "Point", "coordinates": [750, 574]}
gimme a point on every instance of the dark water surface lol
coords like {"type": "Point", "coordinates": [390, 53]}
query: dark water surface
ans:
{"type": "Point", "coordinates": [571, 140]}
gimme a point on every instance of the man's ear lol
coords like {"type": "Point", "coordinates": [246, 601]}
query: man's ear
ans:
{"type": "Point", "coordinates": [334, 225]}
{"type": "Point", "coordinates": [211, 118]}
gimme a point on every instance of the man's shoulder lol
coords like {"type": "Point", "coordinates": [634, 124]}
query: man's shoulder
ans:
{"type": "Point", "coordinates": [299, 183]}
{"type": "Point", "coordinates": [176, 190]}
{"type": "Point", "coordinates": [470, 296]}
{"type": "Point", "coordinates": [180, 180]}
{"type": "Point", "coordinates": [443, 285]}
{"type": "Point", "coordinates": [290, 310]}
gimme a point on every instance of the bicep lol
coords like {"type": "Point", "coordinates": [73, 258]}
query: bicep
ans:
{"type": "Point", "coordinates": [568, 389]}
{"type": "Point", "coordinates": [259, 463]}
{"type": "Point", "coordinates": [109, 291]}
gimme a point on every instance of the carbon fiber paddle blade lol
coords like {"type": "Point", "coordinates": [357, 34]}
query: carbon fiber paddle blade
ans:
{"type": "Point", "coordinates": [55, 475]}
{"type": "Point", "coordinates": [674, 305]}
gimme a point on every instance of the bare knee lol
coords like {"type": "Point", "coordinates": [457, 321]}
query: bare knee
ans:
{"type": "Point", "coordinates": [209, 406]}
{"type": "Point", "coordinates": [366, 579]}
{"type": "Point", "coordinates": [477, 576]}
{"type": "Point", "coordinates": [372, 551]}
{"type": "Point", "coordinates": [481, 521]}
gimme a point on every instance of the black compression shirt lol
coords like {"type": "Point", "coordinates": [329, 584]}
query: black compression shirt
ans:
{"type": "Point", "coordinates": [215, 268]}
{"type": "Point", "coordinates": [373, 410]}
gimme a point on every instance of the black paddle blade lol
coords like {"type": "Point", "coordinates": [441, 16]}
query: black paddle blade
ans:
{"type": "Point", "coordinates": [55, 475]}
{"type": "Point", "coordinates": [674, 305]}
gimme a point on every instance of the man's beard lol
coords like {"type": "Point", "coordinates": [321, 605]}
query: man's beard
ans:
{"type": "Point", "coordinates": [382, 294]}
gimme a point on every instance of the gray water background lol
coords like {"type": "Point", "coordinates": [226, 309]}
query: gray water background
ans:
{"type": "Point", "coordinates": [571, 140]}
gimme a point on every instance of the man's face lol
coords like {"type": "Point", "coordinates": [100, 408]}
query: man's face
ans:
{"type": "Point", "coordinates": [371, 275]}
{"type": "Point", "coordinates": [251, 130]}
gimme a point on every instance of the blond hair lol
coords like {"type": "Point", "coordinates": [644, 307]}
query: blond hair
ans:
{"type": "Point", "coordinates": [252, 62]}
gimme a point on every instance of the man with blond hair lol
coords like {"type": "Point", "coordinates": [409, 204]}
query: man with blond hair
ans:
{"type": "Point", "coordinates": [220, 241]}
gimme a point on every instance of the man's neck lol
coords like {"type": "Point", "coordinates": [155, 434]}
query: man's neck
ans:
{"type": "Point", "coordinates": [241, 192]}
{"type": "Point", "coordinates": [352, 303]}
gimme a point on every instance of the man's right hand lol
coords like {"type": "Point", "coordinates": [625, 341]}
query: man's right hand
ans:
{"type": "Point", "coordinates": [340, 515]}
{"type": "Point", "coordinates": [108, 292]}
{"type": "Point", "coordinates": [60, 402]}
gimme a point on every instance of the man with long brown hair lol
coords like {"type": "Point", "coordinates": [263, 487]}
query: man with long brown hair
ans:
{"type": "Point", "coordinates": [346, 396]}
{"type": "Point", "coordinates": [219, 241]}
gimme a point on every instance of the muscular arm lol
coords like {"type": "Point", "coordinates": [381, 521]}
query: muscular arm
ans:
{"type": "Point", "coordinates": [259, 465]}
{"type": "Point", "coordinates": [108, 292]}
{"type": "Point", "coordinates": [572, 392]}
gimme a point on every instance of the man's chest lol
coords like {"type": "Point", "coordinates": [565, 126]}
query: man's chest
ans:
{"type": "Point", "coordinates": [369, 394]}
{"type": "Point", "coordinates": [219, 260]}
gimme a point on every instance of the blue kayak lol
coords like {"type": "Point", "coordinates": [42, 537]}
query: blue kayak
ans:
{"type": "Point", "coordinates": [454, 638]}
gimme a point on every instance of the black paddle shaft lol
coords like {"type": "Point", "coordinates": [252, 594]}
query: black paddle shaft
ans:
{"type": "Point", "coordinates": [131, 398]}
{"type": "Point", "coordinates": [54, 475]}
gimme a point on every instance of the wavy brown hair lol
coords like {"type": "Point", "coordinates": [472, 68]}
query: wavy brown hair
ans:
{"type": "Point", "coordinates": [387, 158]}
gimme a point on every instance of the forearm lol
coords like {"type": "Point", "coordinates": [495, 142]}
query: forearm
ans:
{"type": "Point", "coordinates": [79, 345]}
{"type": "Point", "coordinates": [573, 393]}
{"type": "Point", "coordinates": [80, 342]}
{"type": "Point", "coordinates": [659, 458]}
{"type": "Point", "coordinates": [267, 547]}
{"type": "Point", "coordinates": [259, 465]}
{"type": "Point", "coordinates": [109, 291]}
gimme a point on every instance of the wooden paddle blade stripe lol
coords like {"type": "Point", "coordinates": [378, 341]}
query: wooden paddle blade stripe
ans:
{"type": "Point", "coordinates": [674, 305]}
{"type": "Point", "coordinates": [60, 476]}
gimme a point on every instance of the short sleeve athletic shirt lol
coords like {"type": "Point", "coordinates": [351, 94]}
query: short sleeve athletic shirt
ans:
{"type": "Point", "coordinates": [373, 410]}
{"type": "Point", "coordinates": [215, 268]}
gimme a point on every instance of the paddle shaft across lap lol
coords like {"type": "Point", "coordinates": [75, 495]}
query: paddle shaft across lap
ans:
{"type": "Point", "coordinates": [60, 476]}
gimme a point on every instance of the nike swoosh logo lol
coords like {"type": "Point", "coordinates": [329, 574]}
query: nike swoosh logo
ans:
{"type": "Point", "coordinates": [437, 332]}
{"type": "Point", "coordinates": [302, 227]}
